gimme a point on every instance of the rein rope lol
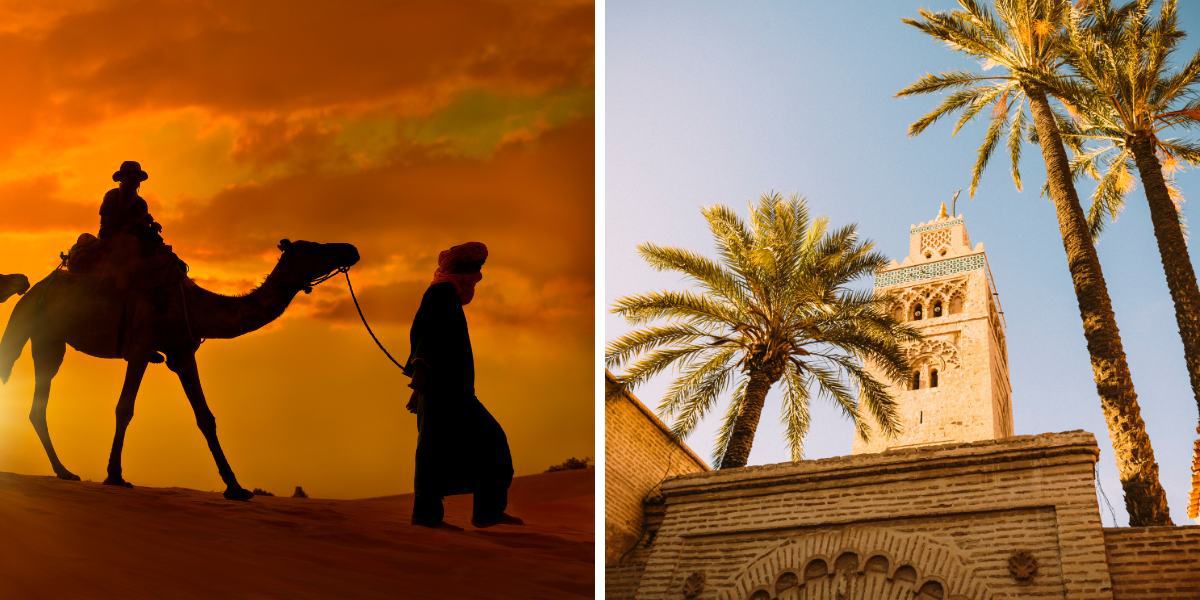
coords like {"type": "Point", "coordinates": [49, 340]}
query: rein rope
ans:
{"type": "Point", "coordinates": [353, 296]}
{"type": "Point", "coordinates": [322, 279]}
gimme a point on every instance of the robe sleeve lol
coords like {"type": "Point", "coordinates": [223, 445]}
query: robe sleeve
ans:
{"type": "Point", "coordinates": [427, 360]}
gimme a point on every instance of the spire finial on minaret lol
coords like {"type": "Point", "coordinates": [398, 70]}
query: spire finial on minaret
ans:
{"type": "Point", "coordinates": [942, 213]}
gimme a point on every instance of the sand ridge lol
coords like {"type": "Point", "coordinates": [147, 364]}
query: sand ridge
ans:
{"type": "Point", "coordinates": [61, 539]}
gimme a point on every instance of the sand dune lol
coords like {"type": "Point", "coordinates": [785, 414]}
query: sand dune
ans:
{"type": "Point", "coordinates": [63, 539]}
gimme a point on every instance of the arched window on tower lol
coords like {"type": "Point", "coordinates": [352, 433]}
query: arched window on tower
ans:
{"type": "Point", "coordinates": [917, 313]}
{"type": "Point", "coordinates": [937, 308]}
{"type": "Point", "coordinates": [916, 380]}
{"type": "Point", "coordinates": [956, 304]}
{"type": "Point", "coordinates": [933, 378]}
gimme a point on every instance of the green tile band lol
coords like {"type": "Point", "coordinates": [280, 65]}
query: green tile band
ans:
{"type": "Point", "coordinates": [937, 225]}
{"type": "Point", "coordinates": [930, 270]}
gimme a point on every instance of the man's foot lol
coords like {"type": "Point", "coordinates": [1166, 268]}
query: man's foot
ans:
{"type": "Point", "coordinates": [239, 493]}
{"type": "Point", "coordinates": [503, 519]}
{"type": "Point", "coordinates": [66, 475]}
{"type": "Point", "coordinates": [436, 525]}
{"type": "Point", "coordinates": [117, 481]}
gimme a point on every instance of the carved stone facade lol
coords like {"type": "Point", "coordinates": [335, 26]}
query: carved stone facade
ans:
{"type": "Point", "coordinates": [959, 389]}
{"type": "Point", "coordinates": [999, 519]}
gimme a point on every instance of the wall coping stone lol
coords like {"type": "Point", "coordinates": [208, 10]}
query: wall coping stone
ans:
{"type": "Point", "coordinates": [987, 455]}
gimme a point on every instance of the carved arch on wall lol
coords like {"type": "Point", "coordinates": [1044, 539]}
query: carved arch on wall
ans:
{"type": "Point", "coordinates": [934, 352]}
{"type": "Point", "coordinates": [945, 291]}
{"type": "Point", "coordinates": [858, 564]}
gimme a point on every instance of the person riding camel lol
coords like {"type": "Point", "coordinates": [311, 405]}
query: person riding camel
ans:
{"type": "Point", "coordinates": [124, 211]}
{"type": "Point", "coordinates": [130, 251]}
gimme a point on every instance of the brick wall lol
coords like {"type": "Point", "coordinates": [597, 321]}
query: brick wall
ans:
{"type": "Point", "coordinates": [639, 453]}
{"type": "Point", "coordinates": [954, 515]}
{"type": "Point", "coordinates": [622, 576]}
{"type": "Point", "coordinates": [1159, 563]}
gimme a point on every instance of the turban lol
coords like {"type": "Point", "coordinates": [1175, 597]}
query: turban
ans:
{"type": "Point", "coordinates": [459, 265]}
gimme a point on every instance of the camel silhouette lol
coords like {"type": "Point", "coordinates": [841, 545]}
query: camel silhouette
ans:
{"type": "Point", "coordinates": [86, 311]}
{"type": "Point", "coordinates": [12, 284]}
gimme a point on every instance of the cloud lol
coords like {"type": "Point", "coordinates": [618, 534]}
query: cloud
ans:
{"type": "Point", "coordinates": [274, 56]}
{"type": "Point", "coordinates": [532, 202]}
{"type": "Point", "coordinates": [505, 300]}
{"type": "Point", "coordinates": [34, 205]}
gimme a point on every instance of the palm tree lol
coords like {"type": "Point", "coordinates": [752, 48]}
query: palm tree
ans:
{"type": "Point", "coordinates": [1022, 49]}
{"type": "Point", "coordinates": [1126, 100]}
{"type": "Point", "coordinates": [776, 306]}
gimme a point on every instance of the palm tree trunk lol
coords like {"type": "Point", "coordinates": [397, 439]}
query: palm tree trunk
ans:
{"type": "Point", "coordinates": [1172, 249]}
{"type": "Point", "coordinates": [737, 453]}
{"type": "Point", "coordinates": [1145, 499]}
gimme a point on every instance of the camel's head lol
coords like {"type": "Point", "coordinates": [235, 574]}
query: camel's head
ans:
{"type": "Point", "coordinates": [304, 264]}
{"type": "Point", "coordinates": [12, 284]}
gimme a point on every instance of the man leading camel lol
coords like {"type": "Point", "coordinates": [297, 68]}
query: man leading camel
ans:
{"type": "Point", "coordinates": [461, 448]}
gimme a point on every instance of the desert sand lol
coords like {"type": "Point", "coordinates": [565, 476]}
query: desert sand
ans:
{"type": "Point", "coordinates": [62, 539]}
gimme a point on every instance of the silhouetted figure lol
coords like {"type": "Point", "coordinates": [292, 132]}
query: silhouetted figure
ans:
{"type": "Point", "coordinates": [299, 493]}
{"type": "Point", "coordinates": [131, 255]}
{"type": "Point", "coordinates": [124, 211]}
{"type": "Point", "coordinates": [83, 310]}
{"type": "Point", "coordinates": [461, 448]}
{"type": "Point", "coordinates": [12, 284]}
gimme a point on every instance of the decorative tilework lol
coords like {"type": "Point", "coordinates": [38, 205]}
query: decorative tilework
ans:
{"type": "Point", "coordinates": [935, 225]}
{"type": "Point", "coordinates": [930, 270]}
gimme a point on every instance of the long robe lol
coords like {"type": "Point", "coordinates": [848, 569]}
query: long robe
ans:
{"type": "Point", "coordinates": [461, 448]}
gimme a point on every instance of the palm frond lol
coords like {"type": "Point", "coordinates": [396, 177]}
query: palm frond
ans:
{"type": "Point", "coordinates": [641, 340]}
{"type": "Point", "coordinates": [693, 393]}
{"type": "Point", "coordinates": [689, 306]}
{"type": "Point", "coordinates": [709, 273]}
{"type": "Point", "coordinates": [795, 415]}
{"type": "Point", "coordinates": [984, 154]}
{"type": "Point", "coordinates": [1015, 142]}
{"type": "Point", "coordinates": [1109, 198]}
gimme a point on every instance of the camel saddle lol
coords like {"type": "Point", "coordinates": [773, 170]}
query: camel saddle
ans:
{"type": "Point", "coordinates": [123, 258]}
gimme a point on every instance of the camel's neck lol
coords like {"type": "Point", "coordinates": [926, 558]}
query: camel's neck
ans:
{"type": "Point", "coordinates": [214, 316]}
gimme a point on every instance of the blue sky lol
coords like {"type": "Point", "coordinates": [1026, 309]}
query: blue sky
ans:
{"type": "Point", "coordinates": [719, 102]}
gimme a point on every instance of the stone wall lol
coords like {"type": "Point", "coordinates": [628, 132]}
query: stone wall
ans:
{"type": "Point", "coordinates": [639, 453]}
{"type": "Point", "coordinates": [957, 521]}
{"type": "Point", "coordinates": [1154, 563]}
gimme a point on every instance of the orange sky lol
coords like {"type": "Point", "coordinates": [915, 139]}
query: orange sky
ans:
{"type": "Point", "coordinates": [400, 127]}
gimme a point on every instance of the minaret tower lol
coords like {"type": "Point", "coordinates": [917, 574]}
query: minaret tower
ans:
{"type": "Point", "coordinates": [958, 390]}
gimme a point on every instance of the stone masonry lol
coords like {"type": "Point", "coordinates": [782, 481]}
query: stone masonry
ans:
{"type": "Point", "coordinates": [958, 390]}
{"type": "Point", "coordinates": [1013, 518]}
{"type": "Point", "coordinates": [639, 453]}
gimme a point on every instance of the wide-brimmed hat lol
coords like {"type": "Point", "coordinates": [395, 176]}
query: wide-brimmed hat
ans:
{"type": "Point", "coordinates": [130, 169]}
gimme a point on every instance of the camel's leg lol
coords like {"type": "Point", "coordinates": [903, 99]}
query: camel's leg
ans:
{"type": "Point", "coordinates": [129, 391]}
{"type": "Point", "coordinates": [47, 358]}
{"type": "Point", "coordinates": [184, 365]}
